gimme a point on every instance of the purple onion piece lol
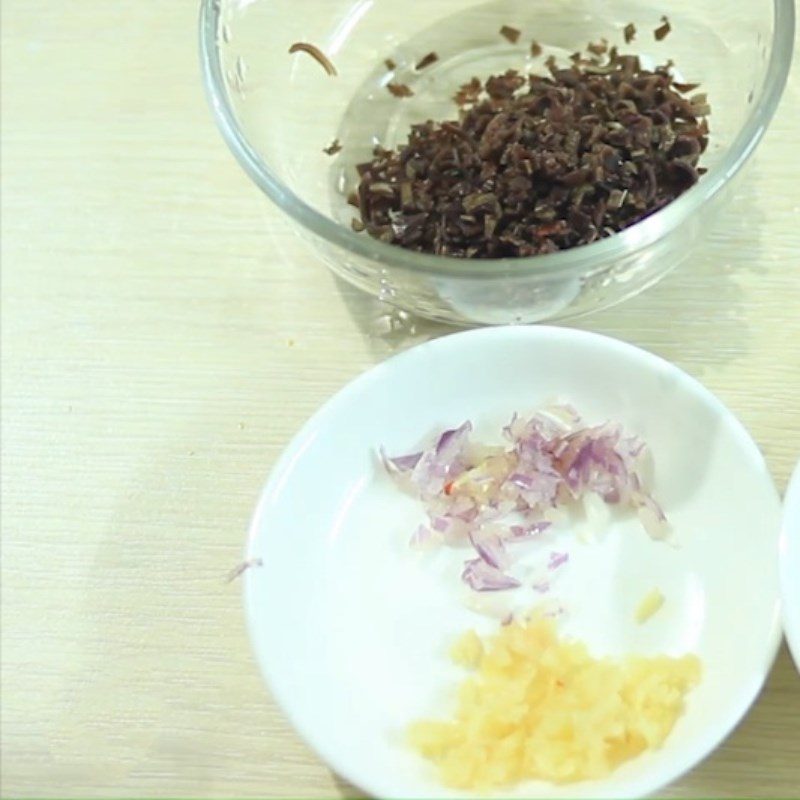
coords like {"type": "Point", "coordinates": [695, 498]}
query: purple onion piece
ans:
{"type": "Point", "coordinates": [491, 550]}
{"type": "Point", "coordinates": [522, 532]}
{"type": "Point", "coordinates": [652, 517]}
{"type": "Point", "coordinates": [399, 464]}
{"type": "Point", "coordinates": [520, 480]}
{"type": "Point", "coordinates": [452, 440]}
{"type": "Point", "coordinates": [482, 577]}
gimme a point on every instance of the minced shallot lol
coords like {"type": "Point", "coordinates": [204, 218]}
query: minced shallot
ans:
{"type": "Point", "coordinates": [493, 497]}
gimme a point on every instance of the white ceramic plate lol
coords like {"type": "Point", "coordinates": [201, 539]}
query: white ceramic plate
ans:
{"type": "Point", "coordinates": [790, 565]}
{"type": "Point", "coordinates": [351, 628]}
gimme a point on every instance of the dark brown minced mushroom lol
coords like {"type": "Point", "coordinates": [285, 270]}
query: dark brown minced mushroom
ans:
{"type": "Point", "coordinates": [538, 164]}
{"type": "Point", "coordinates": [510, 33]}
{"type": "Point", "coordinates": [663, 30]}
{"type": "Point", "coordinates": [400, 89]}
{"type": "Point", "coordinates": [316, 54]}
{"type": "Point", "coordinates": [426, 61]}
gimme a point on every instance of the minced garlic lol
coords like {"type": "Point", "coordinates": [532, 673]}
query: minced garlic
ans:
{"type": "Point", "coordinates": [650, 604]}
{"type": "Point", "coordinates": [468, 650]}
{"type": "Point", "coordinates": [538, 707]}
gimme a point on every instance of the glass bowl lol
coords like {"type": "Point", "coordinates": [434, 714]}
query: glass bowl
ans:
{"type": "Point", "coordinates": [278, 111]}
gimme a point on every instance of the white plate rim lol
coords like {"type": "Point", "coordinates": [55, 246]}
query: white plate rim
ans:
{"type": "Point", "coordinates": [789, 562]}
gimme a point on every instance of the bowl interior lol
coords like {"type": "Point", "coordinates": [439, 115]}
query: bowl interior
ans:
{"type": "Point", "coordinates": [351, 628]}
{"type": "Point", "coordinates": [288, 109]}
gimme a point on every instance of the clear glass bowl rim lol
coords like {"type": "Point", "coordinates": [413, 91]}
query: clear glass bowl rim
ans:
{"type": "Point", "coordinates": [565, 264]}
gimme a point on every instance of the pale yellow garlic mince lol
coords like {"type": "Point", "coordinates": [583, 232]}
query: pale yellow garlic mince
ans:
{"type": "Point", "coordinates": [540, 707]}
{"type": "Point", "coordinates": [651, 603]}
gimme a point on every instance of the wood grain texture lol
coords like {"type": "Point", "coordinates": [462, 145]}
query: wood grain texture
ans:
{"type": "Point", "coordinates": [164, 334]}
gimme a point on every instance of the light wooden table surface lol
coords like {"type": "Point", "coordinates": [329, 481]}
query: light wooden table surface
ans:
{"type": "Point", "coordinates": [164, 334]}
